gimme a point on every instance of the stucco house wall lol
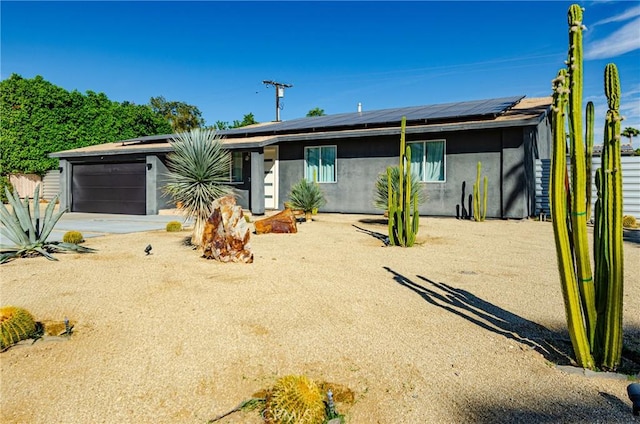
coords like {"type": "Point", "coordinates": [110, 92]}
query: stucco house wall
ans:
{"type": "Point", "coordinates": [507, 144]}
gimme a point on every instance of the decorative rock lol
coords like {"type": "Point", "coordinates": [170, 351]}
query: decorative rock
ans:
{"type": "Point", "coordinates": [282, 222]}
{"type": "Point", "coordinates": [226, 233]}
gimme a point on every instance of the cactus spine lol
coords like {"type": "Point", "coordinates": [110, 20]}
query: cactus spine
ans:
{"type": "Point", "coordinates": [593, 308]}
{"type": "Point", "coordinates": [480, 212]}
{"type": "Point", "coordinates": [403, 224]}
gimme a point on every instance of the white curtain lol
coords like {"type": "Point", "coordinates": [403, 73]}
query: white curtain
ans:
{"type": "Point", "coordinates": [327, 164]}
{"type": "Point", "coordinates": [417, 159]}
{"type": "Point", "coordinates": [312, 161]}
{"type": "Point", "coordinates": [434, 164]}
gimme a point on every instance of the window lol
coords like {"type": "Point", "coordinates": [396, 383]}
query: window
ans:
{"type": "Point", "coordinates": [427, 160]}
{"type": "Point", "coordinates": [235, 173]}
{"type": "Point", "coordinates": [320, 164]}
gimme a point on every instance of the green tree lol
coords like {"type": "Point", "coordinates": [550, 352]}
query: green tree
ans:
{"type": "Point", "coordinates": [248, 119]}
{"type": "Point", "coordinates": [198, 174]}
{"type": "Point", "coordinates": [221, 125]}
{"type": "Point", "coordinates": [316, 112]}
{"type": "Point", "coordinates": [630, 132]}
{"type": "Point", "coordinates": [38, 118]}
{"type": "Point", "coordinates": [181, 116]}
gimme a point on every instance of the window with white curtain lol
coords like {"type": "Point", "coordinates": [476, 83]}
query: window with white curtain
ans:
{"type": "Point", "coordinates": [320, 164]}
{"type": "Point", "coordinates": [428, 160]}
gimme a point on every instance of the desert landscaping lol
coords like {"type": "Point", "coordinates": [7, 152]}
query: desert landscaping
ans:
{"type": "Point", "coordinates": [466, 326]}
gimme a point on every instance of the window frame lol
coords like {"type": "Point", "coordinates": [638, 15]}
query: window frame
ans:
{"type": "Point", "coordinates": [231, 180]}
{"type": "Point", "coordinates": [423, 161]}
{"type": "Point", "coordinates": [335, 162]}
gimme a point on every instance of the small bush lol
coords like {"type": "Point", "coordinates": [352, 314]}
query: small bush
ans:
{"type": "Point", "coordinates": [4, 182]}
{"type": "Point", "coordinates": [174, 226]}
{"type": "Point", "coordinates": [629, 221]}
{"type": "Point", "coordinates": [74, 237]}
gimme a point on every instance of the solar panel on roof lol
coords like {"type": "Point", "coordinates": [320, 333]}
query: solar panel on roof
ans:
{"type": "Point", "coordinates": [457, 110]}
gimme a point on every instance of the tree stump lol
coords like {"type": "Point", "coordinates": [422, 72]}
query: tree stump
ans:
{"type": "Point", "coordinates": [282, 222]}
{"type": "Point", "coordinates": [226, 233]}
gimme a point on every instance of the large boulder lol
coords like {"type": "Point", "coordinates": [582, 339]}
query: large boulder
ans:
{"type": "Point", "coordinates": [226, 233]}
{"type": "Point", "coordinates": [282, 222]}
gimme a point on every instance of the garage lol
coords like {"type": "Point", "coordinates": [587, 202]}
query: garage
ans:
{"type": "Point", "coordinates": [109, 188]}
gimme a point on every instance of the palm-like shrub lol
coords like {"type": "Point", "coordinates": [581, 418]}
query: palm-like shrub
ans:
{"type": "Point", "coordinates": [28, 233]}
{"type": "Point", "coordinates": [198, 175]}
{"type": "Point", "coordinates": [306, 196]}
{"type": "Point", "coordinates": [381, 199]}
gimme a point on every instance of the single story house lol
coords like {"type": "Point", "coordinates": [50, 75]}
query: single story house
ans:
{"type": "Point", "coordinates": [345, 152]}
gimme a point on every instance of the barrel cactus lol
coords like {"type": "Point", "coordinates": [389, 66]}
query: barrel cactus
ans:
{"type": "Point", "coordinates": [629, 221]}
{"type": "Point", "coordinates": [173, 226]}
{"type": "Point", "coordinates": [295, 399]}
{"type": "Point", "coordinates": [74, 237]}
{"type": "Point", "coordinates": [15, 324]}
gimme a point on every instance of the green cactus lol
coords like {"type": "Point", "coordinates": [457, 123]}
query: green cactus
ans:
{"type": "Point", "coordinates": [173, 226]}
{"type": "Point", "coordinates": [593, 303]}
{"type": "Point", "coordinates": [629, 221]}
{"type": "Point", "coordinates": [590, 114]}
{"type": "Point", "coordinates": [295, 399]}
{"type": "Point", "coordinates": [610, 278]}
{"type": "Point", "coordinates": [15, 324]}
{"type": "Point", "coordinates": [403, 220]}
{"type": "Point", "coordinates": [73, 237]}
{"type": "Point", "coordinates": [480, 208]}
{"type": "Point", "coordinates": [561, 226]}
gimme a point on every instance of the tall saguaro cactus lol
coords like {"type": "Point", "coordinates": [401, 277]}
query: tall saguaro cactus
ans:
{"type": "Point", "coordinates": [608, 245]}
{"type": "Point", "coordinates": [480, 206]}
{"type": "Point", "coordinates": [593, 307]}
{"type": "Point", "coordinates": [403, 224]}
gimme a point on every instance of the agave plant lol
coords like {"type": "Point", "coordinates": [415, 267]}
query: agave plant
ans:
{"type": "Point", "coordinates": [381, 199]}
{"type": "Point", "coordinates": [28, 233]}
{"type": "Point", "coordinates": [306, 196]}
{"type": "Point", "coordinates": [198, 175]}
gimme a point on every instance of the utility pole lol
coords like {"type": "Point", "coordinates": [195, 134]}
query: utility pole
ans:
{"type": "Point", "coordinates": [279, 94]}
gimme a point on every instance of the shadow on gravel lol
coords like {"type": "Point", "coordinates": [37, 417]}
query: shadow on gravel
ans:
{"type": "Point", "coordinates": [595, 408]}
{"type": "Point", "coordinates": [552, 345]}
{"type": "Point", "coordinates": [382, 237]}
{"type": "Point", "coordinates": [632, 236]}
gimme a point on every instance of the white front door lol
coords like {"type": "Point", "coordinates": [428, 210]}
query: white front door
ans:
{"type": "Point", "coordinates": [270, 177]}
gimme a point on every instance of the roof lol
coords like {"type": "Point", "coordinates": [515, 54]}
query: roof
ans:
{"type": "Point", "coordinates": [524, 112]}
{"type": "Point", "coordinates": [446, 112]}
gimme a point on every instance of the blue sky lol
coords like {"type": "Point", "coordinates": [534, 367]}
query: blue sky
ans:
{"type": "Point", "coordinates": [215, 55]}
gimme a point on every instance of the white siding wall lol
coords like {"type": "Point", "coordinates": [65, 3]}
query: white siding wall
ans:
{"type": "Point", "coordinates": [630, 184]}
{"type": "Point", "coordinates": [51, 184]}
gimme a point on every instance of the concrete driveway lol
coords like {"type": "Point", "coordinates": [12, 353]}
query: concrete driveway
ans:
{"type": "Point", "coordinates": [99, 224]}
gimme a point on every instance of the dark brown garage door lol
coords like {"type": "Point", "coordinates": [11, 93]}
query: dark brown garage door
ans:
{"type": "Point", "coordinates": [109, 188]}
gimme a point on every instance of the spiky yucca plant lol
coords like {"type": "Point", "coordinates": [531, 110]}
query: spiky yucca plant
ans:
{"type": "Point", "coordinates": [381, 194]}
{"type": "Point", "coordinates": [29, 233]}
{"type": "Point", "coordinates": [306, 196]}
{"type": "Point", "coordinates": [198, 175]}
